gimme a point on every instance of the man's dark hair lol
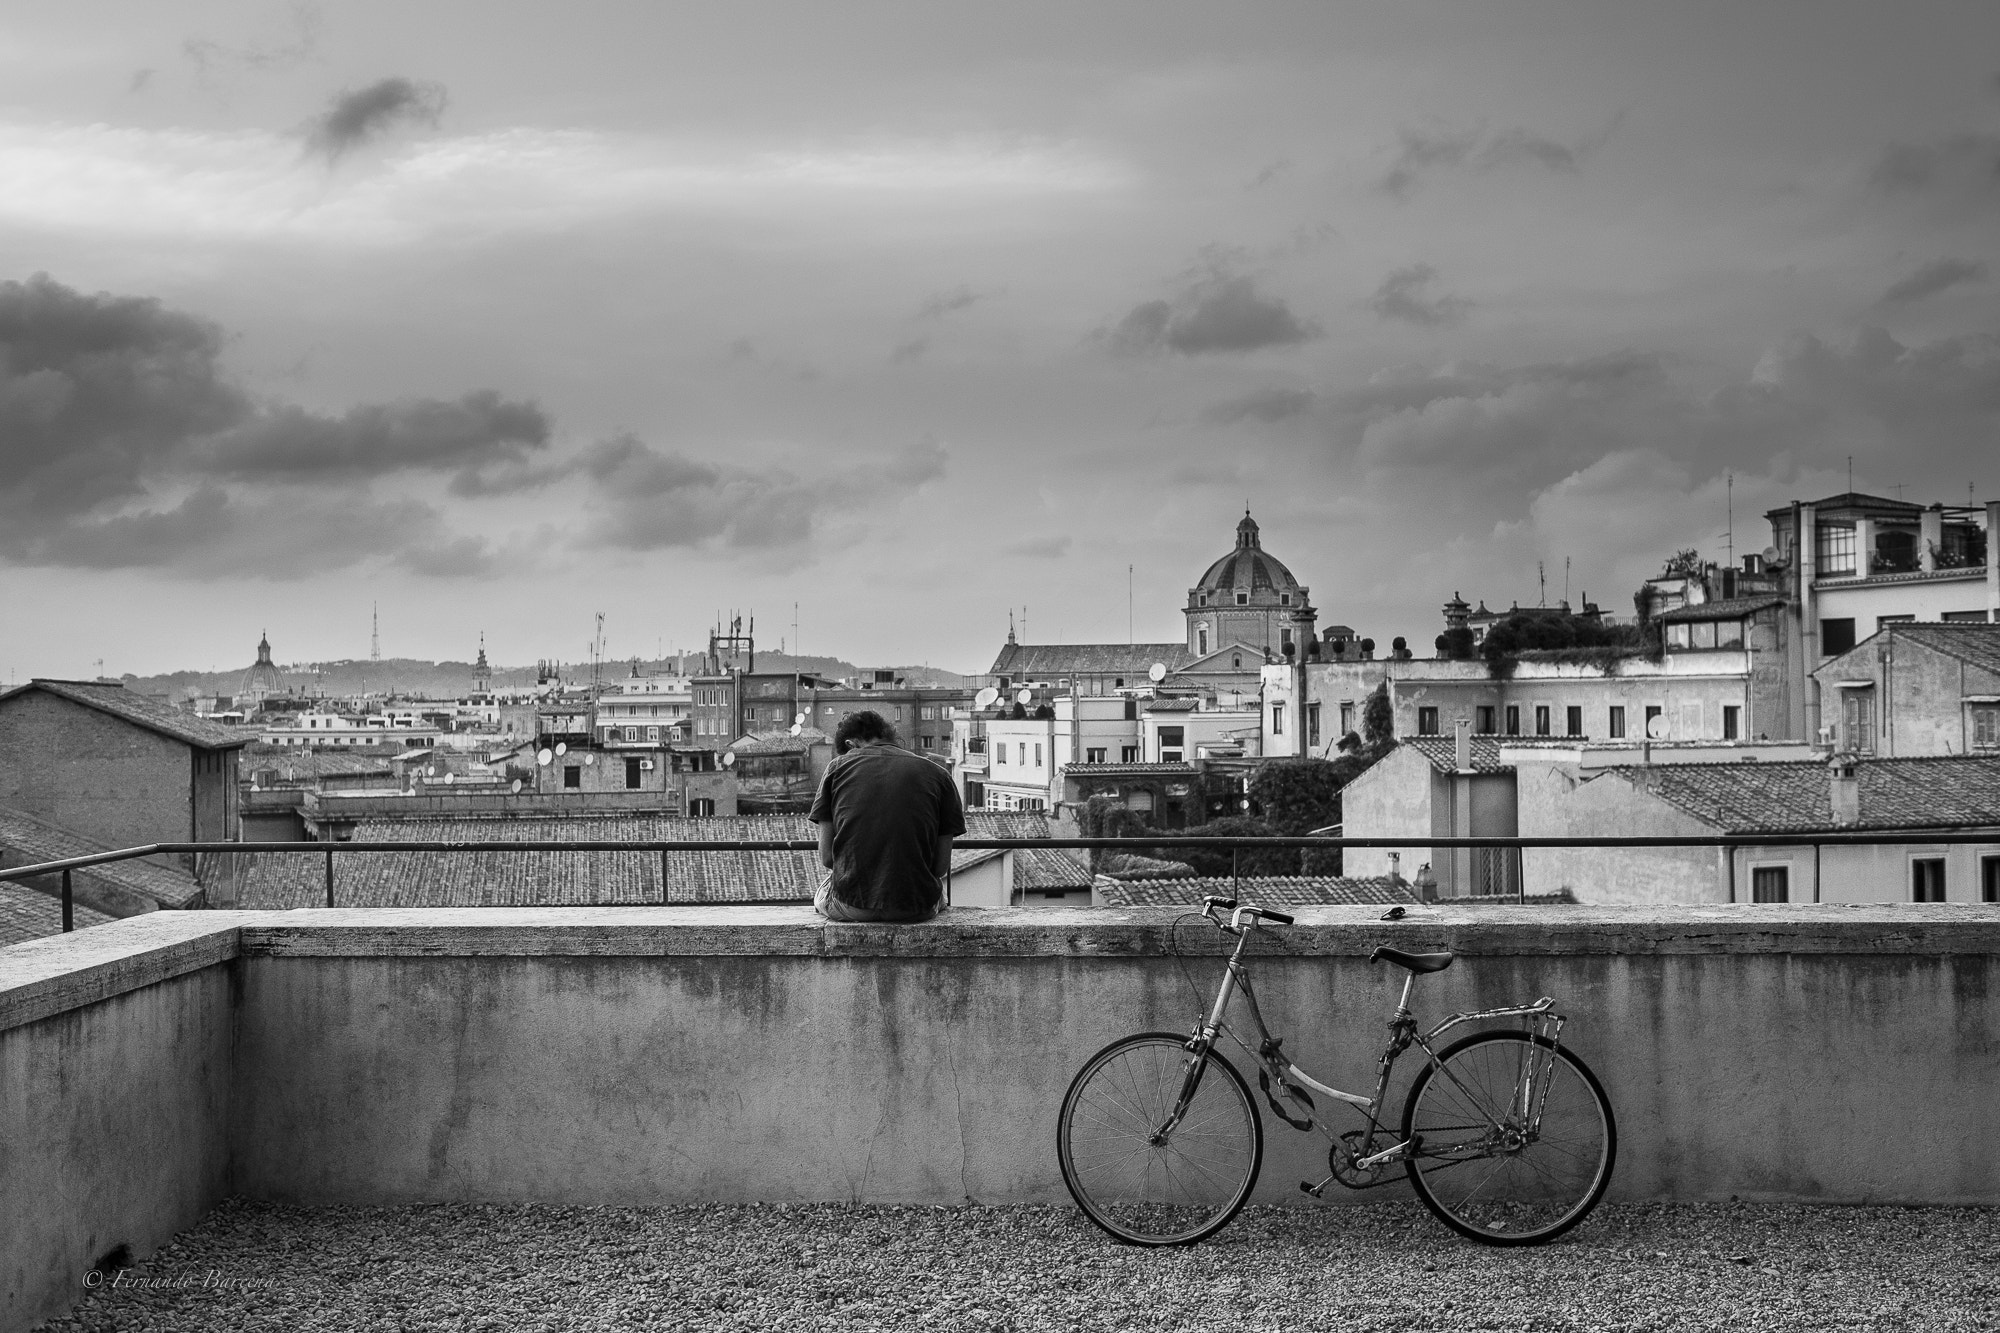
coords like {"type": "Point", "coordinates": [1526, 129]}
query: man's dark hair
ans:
{"type": "Point", "coordinates": [867, 725]}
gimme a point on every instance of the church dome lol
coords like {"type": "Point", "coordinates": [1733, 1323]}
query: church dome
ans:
{"type": "Point", "coordinates": [1251, 569]}
{"type": "Point", "coordinates": [262, 679]}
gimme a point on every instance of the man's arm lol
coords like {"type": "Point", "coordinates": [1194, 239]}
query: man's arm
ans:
{"type": "Point", "coordinates": [942, 866]}
{"type": "Point", "coordinates": [826, 844]}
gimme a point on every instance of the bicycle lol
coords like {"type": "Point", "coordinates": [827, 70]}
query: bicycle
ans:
{"type": "Point", "coordinates": [1506, 1136]}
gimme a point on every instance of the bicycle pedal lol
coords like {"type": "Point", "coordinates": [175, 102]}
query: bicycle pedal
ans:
{"type": "Point", "coordinates": [1317, 1191]}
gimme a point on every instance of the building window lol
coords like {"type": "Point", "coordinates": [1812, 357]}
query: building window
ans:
{"type": "Point", "coordinates": [1172, 741]}
{"type": "Point", "coordinates": [1284, 639]}
{"type": "Point", "coordinates": [1653, 732]}
{"type": "Point", "coordinates": [1277, 719]}
{"type": "Point", "coordinates": [1427, 722]}
{"type": "Point", "coordinates": [1346, 718]}
{"type": "Point", "coordinates": [1732, 722]}
{"type": "Point", "coordinates": [652, 733]}
{"type": "Point", "coordinates": [1835, 546]}
{"type": "Point", "coordinates": [1094, 755]}
{"type": "Point", "coordinates": [1836, 636]}
{"type": "Point", "coordinates": [1677, 635]}
{"type": "Point", "coordinates": [1201, 599]}
{"type": "Point", "coordinates": [1985, 726]}
{"type": "Point", "coordinates": [1243, 599]}
{"type": "Point", "coordinates": [1312, 724]}
{"type": "Point", "coordinates": [572, 777]}
{"type": "Point", "coordinates": [1484, 716]}
{"type": "Point", "coordinates": [1729, 634]}
{"type": "Point", "coordinates": [1927, 879]}
{"type": "Point", "coordinates": [1857, 721]}
{"type": "Point", "coordinates": [701, 807]}
{"type": "Point", "coordinates": [1701, 634]}
{"type": "Point", "coordinates": [1201, 640]}
{"type": "Point", "coordinates": [633, 775]}
{"type": "Point", "coordinates": [1541, 719]}
{"type": "Point", "coordinates": [1038, 754]}
{"type": "Point", "coordinates": [1284, 599]}
{"type": "Point", "coordinates": [1128, 754]}
{"type": "Point", "coordinates": [1770, 884]}
{"type": "Point", "coordinates": [1513, 719]}
{"type": "Point", "coordinates": [631, 733]}
{"type": "Point", "coordinates": [1573, 720]}
{"type": "Point", "coordinates": [1989, 879]}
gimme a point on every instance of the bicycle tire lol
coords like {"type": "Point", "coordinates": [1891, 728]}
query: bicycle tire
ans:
{"type": "Point", "coordinates": [1541, 1186]}
{"type": "Point", "coordinates": [1151, 1193]}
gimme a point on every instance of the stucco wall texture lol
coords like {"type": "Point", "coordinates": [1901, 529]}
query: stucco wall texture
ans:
{"type": "Point", "coordinates": [669, 1055]}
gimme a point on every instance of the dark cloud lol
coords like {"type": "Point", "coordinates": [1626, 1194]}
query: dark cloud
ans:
{"type": "Point", "coordinates": [122, 444]}
{"type": "Point", "coordinates": [913, 350]}
{"type": "Point", "coordinates": [212, 58]}
{"type": "Point", "coordinates": [289, 444]}
{"type": "Point", "coordinates": [1271, 172]}
{"type": "Point", "coordinates": [1420, 152]}
{"type": "Point", "coordinates": [1961, 164]}
{"type": "Point", "coordinates": [1221, 312]}
{"type": "Point", "coordinates": [355, 117]}
{"type": "Point", "coordinates": [1930, 279]}
{"type": "Point", "coordinates": [139, 81]}
{"type": "Point", "coordinates": [1266, 405]}
{"type": "Point", "coordinates": [946, 303]}
{"type": "Point", "coordinates": [1404, 295]}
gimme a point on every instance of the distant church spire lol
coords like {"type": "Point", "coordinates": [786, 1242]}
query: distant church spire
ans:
{"type": "Point", "coordinates": [1010, 625]}
{"type": "Point", "coordinates": [1246, 532]}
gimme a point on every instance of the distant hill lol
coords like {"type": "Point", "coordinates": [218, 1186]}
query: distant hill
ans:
{"type": "Point", "coordinates": [410, 677]}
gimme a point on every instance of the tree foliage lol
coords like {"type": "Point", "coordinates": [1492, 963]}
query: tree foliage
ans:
{"type": "Point", "coordinates": [1378, 719]}
{"type": "Point", "coordinates": [1512, 635]}
{"type": "Point", "coordinates": [1219, 861]}
{"type": "Point", "coordinates": [1456, 644]}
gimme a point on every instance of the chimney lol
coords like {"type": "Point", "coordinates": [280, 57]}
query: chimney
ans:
{"type": "Point", "coordinates": [1463, 761]}
{"type": "Point", "coordinates": [1844, 787]}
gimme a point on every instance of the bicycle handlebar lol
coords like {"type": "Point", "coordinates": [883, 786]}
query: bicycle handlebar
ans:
{"type": "Point", "coordinates": [1248, 909]}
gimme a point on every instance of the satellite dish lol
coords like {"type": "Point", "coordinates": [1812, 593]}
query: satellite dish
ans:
{"type": "Point", "coordinates": [797, 728]}
{"type": "Point", "coordinates": [562, 748]}
{"type": "Point", "coordinates": [447, 779]}
{"type": "Point", "coordinates": [985, 698]}
{"type": "Point", "coordinates": [517, 786]}
{"type": "Point", "coordinates": [1772, 555]}
{"type": "Point", "coordinates": [1025, 697]}
{"type": "Point", "coordinates": [798, 722]}
{"type": "Point", "coordinates": [1157, 672]}
{"type": "Point", "coordinates": [1656, 728]}
{"type": "Point", "coordinates": [728, 758]}
{"type": "Point", "coordinates": [590, 759]}
{"type": "Point", "coordinates": [545, 757]}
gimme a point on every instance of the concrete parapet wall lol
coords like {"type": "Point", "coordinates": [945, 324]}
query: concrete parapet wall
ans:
{"type": "Point", "coordinates": [658, 1055]}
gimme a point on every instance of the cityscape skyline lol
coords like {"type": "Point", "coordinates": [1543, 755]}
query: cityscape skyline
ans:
{"type": "Point", "coordinates": [913, 322]}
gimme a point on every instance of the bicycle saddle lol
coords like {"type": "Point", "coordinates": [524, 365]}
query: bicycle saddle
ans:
{"type": "Point", "coordinates": [1416, 962]}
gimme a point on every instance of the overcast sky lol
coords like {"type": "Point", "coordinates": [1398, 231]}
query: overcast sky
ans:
{"type": "Point", "coordinates": [504, 314]}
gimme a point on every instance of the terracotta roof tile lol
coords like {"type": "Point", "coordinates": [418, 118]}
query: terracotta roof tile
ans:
{"type": "Point", "coordinates": [142, 711]}
{"type": "Point", "coordinates": [1974, 644]}
{"type": "Point", "coordinates": [26, 840]}
{"type": "Point", "coordinates": [1265, 890]}
{"type": "Point", "coordinates": [1729, 608]}
{"type": "Point", "coordinates": [1052, 661]}
{"type": "Point", "coordinates": [28, 915]}
{"type": "Point", "coordinates": [1796, 797]}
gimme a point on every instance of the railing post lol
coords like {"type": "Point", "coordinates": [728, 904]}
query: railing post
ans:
{"type": "Point", "coordinates": [69, 906]}
{"type": "Point", "coordinates": [329, 875]}
{"type": "Point", "coordinates": [1236, 871]}
{"type": "Point", "coordinates": [663, 877]}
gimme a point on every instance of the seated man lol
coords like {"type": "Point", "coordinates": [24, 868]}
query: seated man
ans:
{"type": "Point", "coordinates": [886, 820]}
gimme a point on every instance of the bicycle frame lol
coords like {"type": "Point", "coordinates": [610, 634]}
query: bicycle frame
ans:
{"type": "Point", "coordinates": [1529, 1097]}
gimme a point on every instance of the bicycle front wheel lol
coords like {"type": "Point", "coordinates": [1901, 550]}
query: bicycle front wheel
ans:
{"type": "Point", "coordinates": [1512, 1138]}
{"type": "Point", "coordinates": [1143, 1179]}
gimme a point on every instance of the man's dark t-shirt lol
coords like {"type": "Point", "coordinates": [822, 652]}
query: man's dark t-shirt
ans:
{"type": "Point", "coordinates": [888, 808]}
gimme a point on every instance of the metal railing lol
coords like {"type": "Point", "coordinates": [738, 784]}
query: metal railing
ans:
{"type": "Point", "coordinates": [1140, 845]}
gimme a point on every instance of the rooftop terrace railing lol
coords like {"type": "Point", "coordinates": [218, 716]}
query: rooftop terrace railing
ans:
{"type": "Point", "coordinates": [1144, 845]}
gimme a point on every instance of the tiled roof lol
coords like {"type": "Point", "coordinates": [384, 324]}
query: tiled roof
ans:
{"type": "Point", "coordinates": [1052, 661]}
{"type": "Point", "coordinates": [1130, 865]}
{"type": "Point", "coordinates": [1264, 890]}
{"type": "Point", "coordinates": [1795, 797]}
{"type": "Point", "coordinates": [499, 879]}
{"type": "Point", "coordinates": [1729, 608]}
{"type": "Point", "coordinates": [1974, 644]}
{"type": "Point", "coordinates": [1170, 706]}
{"type": "Point", "coordinates": [1048, 868]}
{"type": "Point", "coordinates": [142, 711]}
{"type": "Point", "coordinates": [1442, 751]}
{"type": "Point", "coordinates": [296, 762]}
{"type": "Point", "coordinates": [28, 915]}
{"type": "Point", "coordinates": [30, 841]}
{"type": "Point", "coordinates": [1129, 770]}
{"type": "Point", "coordinates": [780, 742]}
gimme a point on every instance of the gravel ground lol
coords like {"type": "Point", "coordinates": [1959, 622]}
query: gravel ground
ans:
{"type": "Point", "coordinates": [466, 1266]}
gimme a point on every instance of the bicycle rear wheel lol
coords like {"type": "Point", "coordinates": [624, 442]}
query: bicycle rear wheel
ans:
{"type": "Point", "coordinates": [1141, 1182]}
{"type": "Point", "coordinates": [1514, 1138]}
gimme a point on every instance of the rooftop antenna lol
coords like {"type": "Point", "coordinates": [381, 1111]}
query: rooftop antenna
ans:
{"type": "Point", "coordinates": [1565, 580]}
{"type": "Point", "coordinates": [1129, 635]}
{"type": "Point", "coordinates": [1850, 473]}
{"type": "Point", "coordinates": [1542, 583]}
{"type": "Point", "coordinates": [1729, 534]}
{"type": "Point", "coordinates": [374, 631]}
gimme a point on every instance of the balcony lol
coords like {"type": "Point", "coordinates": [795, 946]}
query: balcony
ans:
{"type": "Point", "coordinates": [152, 1067]}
